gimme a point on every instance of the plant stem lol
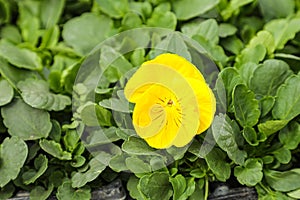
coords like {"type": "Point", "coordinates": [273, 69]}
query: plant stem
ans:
{"type": "Point", "coordinates": [206, 188]}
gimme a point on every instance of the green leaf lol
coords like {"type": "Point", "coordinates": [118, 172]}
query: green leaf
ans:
{"type": "Point", "coordinates": [246, 107]}
{"type": "Point", "coordinates": [283, 8]}
{"type": "Point", "coordinates": [101, 136]}
{"type": "Point", "coordinates": [233, 7]}
{"type": "Point", "coordinates": [6, 92]}
{"type": "Point", "coordinates": [251, 54]}
{"type": "Point", "coordinates": [137, 146]}
{"type": "Point", "coordinates": [283, 30]}
{"type": "Point", "coordinates": [90, 28]}
{"type": "Point", "coordinates": [115, 9]}
{"type": "Point", "coordinates": [65, 192]}
{"type": "Point", "coordinates": [283, 155]}
{"type": "Point", "coordinates": [50, 37]}
{"type": "Point", "coordinates": [11, 33]}
{"type": "Point", "coordinates": [38, 125]}
{"type": "Point", "coordinates": [7, 191]}
{"type": "Point", "coordinates": [13, 153]}
{"type": "Point", "coordinates": [131, 20]}
{"type": "Point", "coordinates": [40, 166]}
{"type": "Point", "coordinates": [224, 136]}
{"type": "Point", "coordinates": [117, 163]}
{"type": "Point", "coordinates": [95, 115]}
{"type": "Point", "coordinates": [287, 105]}
{"type": "Point", "coordinates": [137, 165]}
{"type": "Point", "coordinates": [53, 148]}
{"type": "Point", "coordinates": [290, 135]}
{"type": "Point", "coordinates": [216, 161]}
{"type": "Point", "coordinates": [39, 193]}
{"type": "Point", "coordinates": [156, 186]}
{"type": "Point", "coordinates": [36, 94]}
{"type": "Point", "coordinates": [266, 105]}
{"type": "Point", "coordinates": [20, 57]}
{"type": "Point", "coordinates": [226, 30]}
{"type": "Point", "coordinates": [294, 194]}
{"type": "Point", "coordinates": [132, 188]}
{"type": "Point", "coordinates": [251, 136]}
{"type": "Point", "coordinates": [51, 12]}
{"type": "Point", "coordinates": [182, 187]}
{"type": "Point", "coordinates": [271, 126]}
{"type": "Point", "coordinates": [283, 181]}
{"type": "Point", "coordinates": [277, 70]}
{"type": "Point", "coordinates": [250, 173]}
{"type": "Point", "coordinates": [232, 44]}
{"type": "Point", "coordinates": [264, 38]}
{"type": "Point", "coordinates": [96, 166]}
{"type": "Point", "coordinates": [163, 19]}
{"type": "Point", "coordinates": [187, 9]}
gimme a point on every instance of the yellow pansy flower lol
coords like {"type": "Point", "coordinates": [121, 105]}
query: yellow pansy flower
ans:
{"type": "Point", "coordinates": [173, 103]}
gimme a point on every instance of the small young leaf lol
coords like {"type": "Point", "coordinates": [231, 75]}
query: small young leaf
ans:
{"type": "Point", "coordinates": [36, 94]}
{"type": "Point", "coordinates": [163, 19]}
{"type": "Point", "coordinates": [137, 165]}
{"type": "Point", "coordinates": [55, 149]}
{"type": "Point", "coordinates": [40, 166]}
{"type": "Point", "coordinates": [38, 125]}
{"type": "Point", "coordinates": [114, 9]}
{"type": "Point", "coordinates": [51, 11]}
{"type": "Point", "coordinates": [182, 187]}
{"type": "Point", "coordinates": [283, 155]}
{"type": "Point", "coordinates": [272, 126]}
{"type": "Point", "coordinates": [251, 173]}
{"type": "Point", "coordinates": [39, 193]}
{"type": "Point", "coordinates": [246, 107]}
{"type": "Point", "coordinates": [13, 153]}
{"type": "Point", "coordinates": [20, 57]}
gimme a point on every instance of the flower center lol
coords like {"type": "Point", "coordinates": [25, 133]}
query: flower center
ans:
{"type": "Point", "coordinates": [170, 102]}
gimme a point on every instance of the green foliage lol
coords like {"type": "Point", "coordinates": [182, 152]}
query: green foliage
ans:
{"type": "Point", "coordinates": [48, 146]}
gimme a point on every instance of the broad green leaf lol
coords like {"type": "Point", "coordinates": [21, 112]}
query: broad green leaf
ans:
{"type": "Point", "coordinates": [287, 105]}
{"type": "Point", "coordinates": [71, 139]}
{"type": "Point", "coordinates": [51, 12]}
{"type": "Point", "coordinates": [177, 152]}
{"type": "Point", "coordinates": [224, 136]}
{"type": "Point", "coordinates": [294, 194]}
{"type": "Point", "coordinates": [11, 33]}
{"type": "Point", "coordinates": [277, 70]}
{"type": "Point", "coordinates": [132, 188]}
{"type": "Point", "coordinates": [6, 92]}
{"type": "Point", "coordinates": [290, 135]}
{"type": "Point", "coordinates": [36, 94]}
{"type": "Point", "coordinates": [229, 78]}
{"type": "Point", "coordinates": [114, 9]}
{"type": "Point", "coordinates": [53, 148]}
{"type": "Point", "coordinates": [13, 153]}
{"type": "Point", "coordinates": [216, 161]}
{"type": "Point", "coordinates": [208, 29]}
{"type": "Point", "coordinates": [137, 146]}
{"type": "Point", "coordinates": [95, 115]}
{"type": "Point", "coordinates": [131, 20]}
{"type": "Point", "coordinates": [187, 9]}
{"type": "Point", "coordinates": [156, 186]}
{"type": "Point", "coordinates": [264, 38]}
{"type": "Point", "coordinates": [216, 52]}
{"type": "Point", "coordinates": [101, 136]}
{"type": "Point", "coordinates": [65, 192]}
{"type": "Point", "coordinates": [90, 28]}
{"type": "Point", "coordinates": [182, 187]}
{"type": "Point", "coordinates": [283, 155]}
{"type": "Point", "coordinates": [39, 193]}
{"type": "Point", "coordinates": [266, 105]}
{"type": "Point", "coordinates": [283, 30]}
{"type": "Point", "coordinates": [117, 163]}
{"type": "Point", "coordinates": [137, 165]}
{"type": "Point", "coordinates": [226, 29]}
{"type": "Point", "coordinates": [283, 181]}
{"type": "Point", "coordinates": [250, 173]}
{"type": "Point", "coordinates": [50, 37]}
{"type": "Point", "coordinates": [20, 57]}
{"type": "Point", "coordinates": [271, 126]}
{"type": "Point", "coordinates": [246, 107]}
{"type": "Point", "coordinates": [251, 54]}
{"type": "Point", "coordinates": [232, 44]}
{"type": "Point", "coordinates": [96, 166]}
{"type": "Point", "coordinates": [246, 72]}
{"type": "Point", "coordinates": [13, 75]}
{"type": "Point", "coordinates": [40, 166]}
{"type": "Point", "coordinates": [38, 125]}
{"type": "Point", "coordinates": [162, 19]}
{"type": "Point", "coordinates": [283, 8]}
